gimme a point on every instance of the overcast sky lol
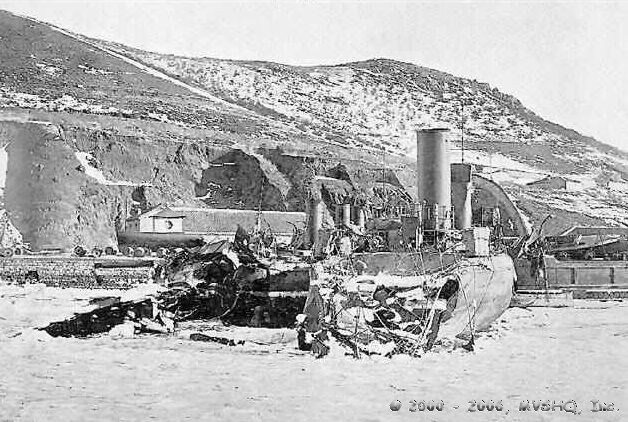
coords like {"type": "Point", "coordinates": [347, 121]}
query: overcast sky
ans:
{"type": "Point", "coordinates": [567, 61]}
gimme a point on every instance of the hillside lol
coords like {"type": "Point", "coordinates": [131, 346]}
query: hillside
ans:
{"type": "Point", "coordinates": [376, 105]}
{"type": "Point", "coordinates": [142, 127]}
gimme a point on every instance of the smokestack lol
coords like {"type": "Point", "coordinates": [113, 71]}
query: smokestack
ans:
{"type": "Point", "coordinates": [434, 172]}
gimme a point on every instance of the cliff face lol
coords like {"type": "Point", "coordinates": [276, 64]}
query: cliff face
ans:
{"type": "Point", "coordinates": [94, 128]}
{"type": "Point", "coordinates": [48, 197]}
{"type": "Point", "coordinates": [71, 182]}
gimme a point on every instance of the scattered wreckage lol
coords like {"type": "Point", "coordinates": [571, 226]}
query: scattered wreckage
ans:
{"type": "Point", "coordinates": [390, 314]}
{"type": "Point", "coordinates": [217, 281]}
{"type": "Point", "coordinates": [371, 303]}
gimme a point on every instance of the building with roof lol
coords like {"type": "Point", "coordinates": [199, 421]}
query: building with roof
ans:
{"type": "Point", "coordinates": [214, 222]}
{"type": "Point", "coordinates": [157, 220]}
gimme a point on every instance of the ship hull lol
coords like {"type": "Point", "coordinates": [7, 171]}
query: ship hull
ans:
{"type": "Point", "coordinates": [452, 295]}
{"type": "Point", "coordinates": [484, 293]}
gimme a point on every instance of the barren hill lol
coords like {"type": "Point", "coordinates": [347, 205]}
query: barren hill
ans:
{"type": "Point", "coordinates": [125, 125]}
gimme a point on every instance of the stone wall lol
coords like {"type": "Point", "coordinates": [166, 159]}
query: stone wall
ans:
{"type": "Point", "coordinates": [73, 272]}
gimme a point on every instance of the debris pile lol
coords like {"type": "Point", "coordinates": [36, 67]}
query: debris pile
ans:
{"type": "Point", "coordinates": [354, 303]}
{"type": "Point", "coordinates": [382, 315]}
{"type": "Point", "coordinates": [213, 281]}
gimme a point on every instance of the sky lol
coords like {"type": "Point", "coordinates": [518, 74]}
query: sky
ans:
{"type": "Point", "coordinates": [566, 61]}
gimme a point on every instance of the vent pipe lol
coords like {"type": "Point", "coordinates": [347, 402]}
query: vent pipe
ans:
{"type": "Point", "coordinates": [315, 221]}
{"type": "Point", "coordinates": [361, 218]}
{"type": "Point", "coordinates": [461, 191]}
{"type": "Point", "coordinates": [346, 214]}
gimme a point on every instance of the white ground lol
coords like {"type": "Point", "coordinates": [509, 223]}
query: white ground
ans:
{"type": "Point", "coordinates": [85, 159]}
{"type": "Point", "coordinates": [557, 354]}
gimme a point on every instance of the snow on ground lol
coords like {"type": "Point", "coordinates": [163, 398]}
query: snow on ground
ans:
{"type": "Point", "coordinates": [87, 160]}
{"type": "Point", "coordinates": [156, 73]}
{"type": "Point", "coordinates": [526, 221]}
{"type": "Point", "coordinates": [581, 182]}
{"type": "Point", "coordinates": [50, 70]}
{"type": "Point", "coordinates": [64, 103]}
{"type": "Point", "coordinates": [541, 354]}
{"type": "Point", "coordinates": [511, 176]}
{"type": "Point", "coordinates": [587, 202]}
{"type": "Point", "coordinates": [137, 64]}
{"type": "Point", "coordinates": [491, 160]}
{"type": "Point", "coordinates": [499, 167]}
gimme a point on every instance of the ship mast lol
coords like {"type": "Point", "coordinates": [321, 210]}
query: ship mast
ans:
{"type": "Point", "coordinates": [384, 193]}
{"type": "Point", "coordinates": [462, 128]}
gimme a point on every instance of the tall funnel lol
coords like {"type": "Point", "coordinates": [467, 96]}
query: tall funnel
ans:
{"type": "Point", "coordinates": [434, 173]}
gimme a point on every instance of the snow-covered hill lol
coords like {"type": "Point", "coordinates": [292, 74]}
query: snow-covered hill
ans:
{"type": "Point", "coordinates": [377, 105]}
{"type": "Point", "coordinates": [364, 110]}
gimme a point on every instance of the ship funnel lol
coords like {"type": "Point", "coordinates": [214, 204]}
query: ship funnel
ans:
{"type": "Point", "coordinates": [434, 177]}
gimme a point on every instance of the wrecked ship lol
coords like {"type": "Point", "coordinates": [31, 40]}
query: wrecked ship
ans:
{"type": "Point", "coordinates": [400, 281]}
{"type": "Point", "coordinates": [430, 277]}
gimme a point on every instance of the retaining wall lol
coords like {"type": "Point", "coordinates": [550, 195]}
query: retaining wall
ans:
{"type": "Point", "coordinates": [74, 272]}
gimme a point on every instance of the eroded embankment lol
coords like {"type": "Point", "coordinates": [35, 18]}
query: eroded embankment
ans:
{"type": "Point", "coordinates": [48, 195]}
{"type": "Point", "coordinates": [73, 183]}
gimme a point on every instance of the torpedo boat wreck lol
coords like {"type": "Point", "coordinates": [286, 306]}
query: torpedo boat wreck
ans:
{"type": "Point", "coordinates": [449, 281]}
{"type": "Point", "coordinates": [394, 284]}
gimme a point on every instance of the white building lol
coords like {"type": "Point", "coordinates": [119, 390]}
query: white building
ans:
{"type": "Point", "coordinates": [214, 222]}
